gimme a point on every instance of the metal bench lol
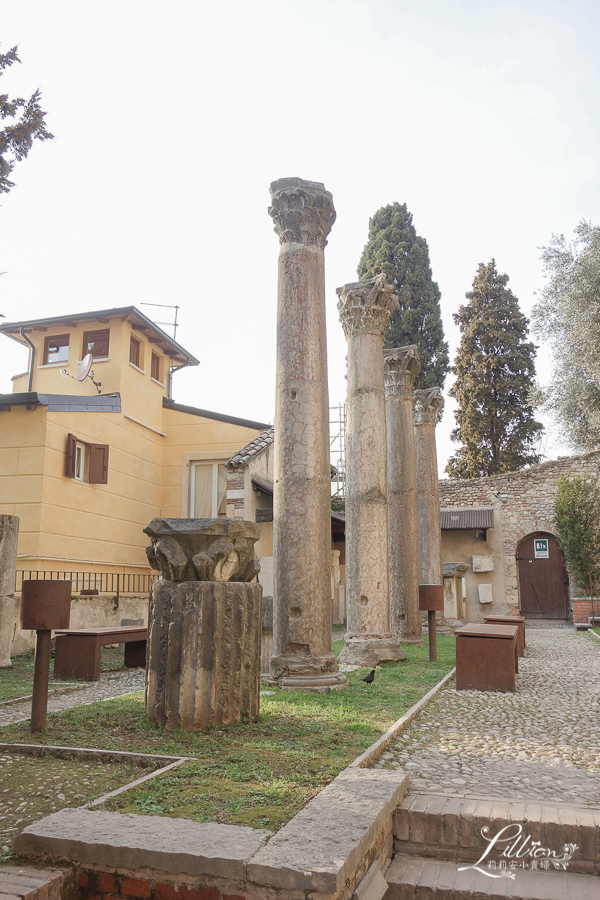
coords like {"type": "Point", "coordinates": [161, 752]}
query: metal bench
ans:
{"type": "Point", "coordinates": [486, 657]}
{"type": "Point", "coordinates": [519, 621]}
{"type": "Point", "coordinates": [77, 653]}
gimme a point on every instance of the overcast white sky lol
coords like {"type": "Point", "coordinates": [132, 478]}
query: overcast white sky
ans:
{"type": "Point", "coordinates": [171, 120]}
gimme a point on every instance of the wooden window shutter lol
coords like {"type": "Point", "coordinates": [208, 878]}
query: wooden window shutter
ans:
{"type": "Point", "coordinates": [98, 463]}
{"type": "Point", "coordinates": [70, 458]}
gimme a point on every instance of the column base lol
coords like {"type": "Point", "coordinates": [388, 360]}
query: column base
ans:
{"type": "Point", "coordinates": [308, 673]}
{"type": "Point", "coordinates": [370, 650]}
{"type": "Point", "coordinates": [321, 684]}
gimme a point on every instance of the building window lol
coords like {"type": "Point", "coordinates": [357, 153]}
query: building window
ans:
{"type": "Point", "coordinates": [134, 352]}
{"type": "Point", "coordinates": [56, 349]}
{"type": "Point", "coordinates": [155, 367]}
{"type": "Point", "coordinates": [96, 343]}
{"type": "Point", "coordinates": [80, 459]}
{"type": "Point", "coordinates": [86, 462]}
{"type": "Point", "coordinates": [208, 490]}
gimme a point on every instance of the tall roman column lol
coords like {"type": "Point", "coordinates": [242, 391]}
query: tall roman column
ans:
{"type": "Point", "coordinates": [401, 367]}
{"type": "Point", "coordinates": [427, 407]}
{"type": "Point", "coordinates": [302, 659]}
{"type": "Point", "coordinates": [365, 308]}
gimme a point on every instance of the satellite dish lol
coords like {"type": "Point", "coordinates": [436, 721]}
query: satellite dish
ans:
{"type": "Point", "coordinates": [84, 367]}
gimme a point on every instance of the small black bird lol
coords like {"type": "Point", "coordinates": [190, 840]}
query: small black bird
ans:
{"type": "Point", "coordinates": [370, 678]}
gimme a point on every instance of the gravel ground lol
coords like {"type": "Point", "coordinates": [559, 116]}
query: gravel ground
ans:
{"type": "Point", "coordinates": [90, 692]}
{"type": "Point", "coordinates": [542, 742]}
{"type": "Point", "coordinates": [32, 788]}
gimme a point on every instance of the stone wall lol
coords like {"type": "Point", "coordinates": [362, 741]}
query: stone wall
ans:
{"type": "Point", "coordinates": [100, 611]}
{"type": "Point", "coordinates": [523, 503]}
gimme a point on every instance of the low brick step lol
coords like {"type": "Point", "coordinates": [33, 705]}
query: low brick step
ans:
{"type": "Point", "coordinates": [20, 882]}
{"type": "Point", "coordinates": [444, 827]}
{"type": "Point", "coordinates": [418, 878]}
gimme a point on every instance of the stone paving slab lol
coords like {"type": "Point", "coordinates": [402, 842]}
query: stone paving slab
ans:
{"type": "Point", "coordinates": [118, 840]}
{"type": "Point", "coordinates": [541, 742]}
{"type": "Point", "coordinates": [89, 692]}
{"type": "Point", "coordinates": [323, 844]}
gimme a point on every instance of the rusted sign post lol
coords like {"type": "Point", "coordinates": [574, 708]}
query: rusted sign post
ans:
{"type": "Point", "coordinates": [431, 600]}
{"type": "Point", "coordinates": [44, 605]}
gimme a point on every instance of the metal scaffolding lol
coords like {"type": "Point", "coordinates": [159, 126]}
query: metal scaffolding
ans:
{"type": "Point", "coordinates": [337, 449]}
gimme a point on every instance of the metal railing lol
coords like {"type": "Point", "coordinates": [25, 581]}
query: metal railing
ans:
{"type": "Point", "coordinates": [102, 582]}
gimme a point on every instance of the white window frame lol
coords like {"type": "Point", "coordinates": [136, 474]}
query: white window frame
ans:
{"type": "Point", "coordinates": [215, 485]}
{"type": "Point", "coordinates": [80, 448]}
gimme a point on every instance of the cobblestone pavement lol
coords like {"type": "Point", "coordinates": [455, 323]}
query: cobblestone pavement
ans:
{"type": "Point", "coordinates": [108, 686]}
{"type": "Point", "coordinates": [542, 742]}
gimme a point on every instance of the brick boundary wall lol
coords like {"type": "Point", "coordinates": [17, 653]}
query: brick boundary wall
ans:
{"type": "Point", "coordinates": [582, 610]}
{"type": "Point", "coordinates": [528, 507]}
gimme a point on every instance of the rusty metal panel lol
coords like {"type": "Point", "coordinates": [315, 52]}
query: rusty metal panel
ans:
{"type": "Point", "coordinates": [431, 597]}
{"type": "Point", "coordinates": [45, 605]}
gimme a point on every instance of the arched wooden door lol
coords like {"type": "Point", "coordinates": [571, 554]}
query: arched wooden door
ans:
{"type": "Point", "coordinates": [543, 581]}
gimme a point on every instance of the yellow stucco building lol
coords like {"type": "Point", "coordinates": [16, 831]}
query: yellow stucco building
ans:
{"type": "Point", "coordinates": [86, 471]}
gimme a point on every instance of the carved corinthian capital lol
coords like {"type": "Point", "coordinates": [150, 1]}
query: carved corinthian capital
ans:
{"type": "Point", "coordinates": [366, 306]}
{"type": "Point", "coordinates": [303, 211]}
{"type": "Point", "coordinates": [428, 407]}
{"type": "Point", "coordinates": [401, 365]}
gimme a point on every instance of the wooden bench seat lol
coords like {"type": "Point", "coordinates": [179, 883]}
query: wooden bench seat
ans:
{"type": "Point", "coordinates": [487, 657]}
{"type": "Point", "coordinates": [77, 653]}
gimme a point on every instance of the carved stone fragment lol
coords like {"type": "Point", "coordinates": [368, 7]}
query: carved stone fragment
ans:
{"type": "Point", "coordinates": [203, 549]}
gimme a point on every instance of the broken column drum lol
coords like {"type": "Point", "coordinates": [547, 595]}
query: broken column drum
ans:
{"type": "Point", "coordinates": [401, 367]}
{"type": "Point", "coordinates": [303, 214]}
{"type": "Point", "coordinates": [365, 308]}
{"type": "Point", "coordinates": [204, 623]}
{"type": "Point", "coordinates": [9, 536]}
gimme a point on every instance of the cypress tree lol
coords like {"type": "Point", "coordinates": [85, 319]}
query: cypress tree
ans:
{"type": "Point", "coordinates": [395, 249]}
{"type": "Point", "coordinates": [494, 371]}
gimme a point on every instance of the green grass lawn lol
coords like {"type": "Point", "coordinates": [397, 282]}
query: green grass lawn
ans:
{"type": "Point", "coordinates": [18, 680]}
{"type": "Point", "coordinates": [257, 774]}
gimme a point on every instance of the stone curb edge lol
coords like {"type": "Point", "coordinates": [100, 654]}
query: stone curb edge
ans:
{"type": "Point", "coordinates": [372, 753]}
{"type": "Point", "coordinates": [597, 636]}
{"type": "Point", "coordinates": [140, 759]}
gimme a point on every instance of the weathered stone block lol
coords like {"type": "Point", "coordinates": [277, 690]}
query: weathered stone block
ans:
{"type": "Point", "coordinates": [203, 657]}
{"type": "Point", "coordinates": [483, 564]}
{"type": "Point", "coordinates": [485, 593]}
{"type": "Point", "coordinates": [9, 535]}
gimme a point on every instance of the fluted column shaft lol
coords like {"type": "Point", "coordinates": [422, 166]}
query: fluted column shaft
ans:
{"type": "Point", "coordinates": [401, 367]}
{"type": "Point", "coordinates": [365, 308]}
{"type": "Point", "coordinates": [302, 658]}
{"type": "Point", "coordinates": [427, 407]}
{"type": "Point", "coordinates": [9, 536]}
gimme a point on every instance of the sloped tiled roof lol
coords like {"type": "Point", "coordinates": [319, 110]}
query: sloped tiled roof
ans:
{"type": "Point", "coordinates": [260, 443]}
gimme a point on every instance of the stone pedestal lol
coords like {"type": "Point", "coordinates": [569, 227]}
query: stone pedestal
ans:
{"type": "Point", "coordinates": [303, 214]}
{"type": "Point", "coordinates": [204, 635]}
{"type": "Point", "coordinates": [365, 308]}
{"type": "Point", "coordinates": [401, 367]}
{"type": "Point", "coordinates": [203, 656]}
{"type": "Point", "coordinates": [427, 407]}
{"type": "Point", "coordinates": [9, 535]}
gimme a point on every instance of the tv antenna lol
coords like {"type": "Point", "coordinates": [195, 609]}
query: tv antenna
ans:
{"type": "Point", "coordinates": [172, 325]}
{"type": "Point", "coordinates": [84, 371]}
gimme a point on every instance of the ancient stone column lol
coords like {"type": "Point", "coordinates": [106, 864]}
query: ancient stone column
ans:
{"type": "Point", "coordinates": [365, 309]}
{"type": "Point", "coordinates": [9, 535]}
{"type": "Point", "coordinates": [302, 659]}
{"type": "Point", "coordinates": [401, 367]}
{"type": "Point", "coordinates": [428, 403]}
{"type": "Point", "coordinates": [204, 623]}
